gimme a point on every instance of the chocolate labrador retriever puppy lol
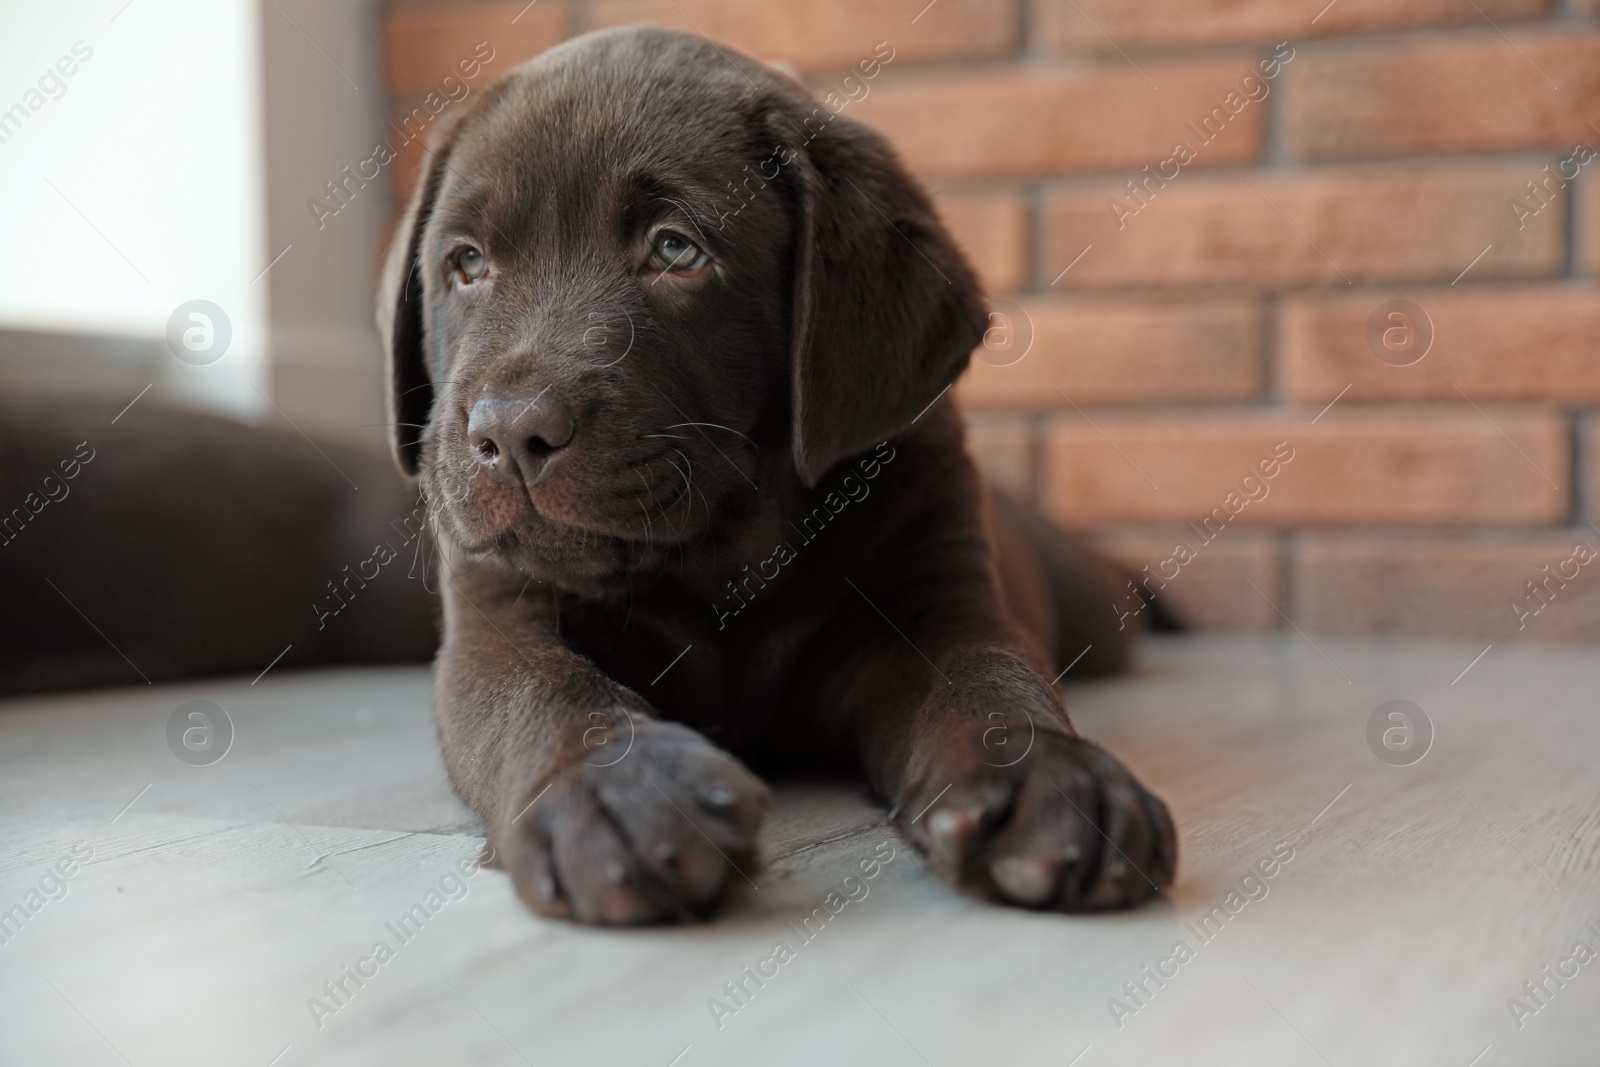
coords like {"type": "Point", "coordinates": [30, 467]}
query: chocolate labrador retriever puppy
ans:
{"type": "Point", "coordinates": [669, 343]}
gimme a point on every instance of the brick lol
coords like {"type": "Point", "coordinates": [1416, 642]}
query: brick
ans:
{"type": "Point", "coordinates": [813, 35]}
{"type": "Point", "coordinates": [1460, 584]}
{"type": "Point", "coordinates": [1212, 590]}
{"type": "Point", "coordinates": [1589, 464]}
{"type": "Point", "coordinates": [1164, 22]}
{"type": "Point", "coordinates": [1031, 121]}
{"type": "Point", "coordinates": [1122, 351]}
{"type": "Point", "coordinates": [992, 228]}
{"type": "Point", "coordinates": [1493, 343]}
{"type": "Point", "coordinates": [1468, 93]}
{"type": "Point", "coordinates": [1373, 223]}
{"type": "Point", "coordinates": [1354, 466]}
{"type": "Point", "coordinates": [423, 44]}
{"type": "Point", "coordinates": [1588, 207]}
{"type": "Point", "coordinates": [1002, 445]}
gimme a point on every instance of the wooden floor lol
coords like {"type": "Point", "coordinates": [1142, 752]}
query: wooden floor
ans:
{"type": "Point", "coordinates": [216, 901]}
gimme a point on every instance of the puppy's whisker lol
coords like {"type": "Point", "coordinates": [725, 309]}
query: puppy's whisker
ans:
{"type": "Point", "coordinates": [424, 385]}
{"type": "Point", "coordinates": [737, 469]}
{"type": "Point", "coordinates": [707, 505]}
{"type": "Point", "coordinates": [649, 528]}
{"type": "Point", "coordinates": [714, 426]}
{"type": "Point", "coordinates": [688, 492]}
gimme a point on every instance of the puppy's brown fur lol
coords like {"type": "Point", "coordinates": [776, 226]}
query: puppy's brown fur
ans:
{"type": "Point", "coordinates": [765, 539]}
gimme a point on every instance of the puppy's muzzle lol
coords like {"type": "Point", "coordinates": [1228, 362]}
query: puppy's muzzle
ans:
{"type": "Point", "coordinates": [516, 439]}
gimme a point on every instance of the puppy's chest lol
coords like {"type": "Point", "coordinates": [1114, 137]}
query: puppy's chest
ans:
{"type": "Point", "coordinates": [729, 681]}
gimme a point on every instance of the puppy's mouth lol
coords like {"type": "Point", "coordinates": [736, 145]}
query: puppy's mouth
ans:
{"type": "Point", "coordinates": [577, 520]}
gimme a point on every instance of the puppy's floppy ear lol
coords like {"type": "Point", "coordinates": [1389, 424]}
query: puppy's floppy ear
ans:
{"type": "Point", "coordinates": [400, 318]}
{"type": "Point", "coordinates": [886, 309]}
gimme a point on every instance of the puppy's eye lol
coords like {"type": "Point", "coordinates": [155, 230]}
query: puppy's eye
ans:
{"type": "Point", "coordinates": [472, 264]}
{"type": "Point", "coordinates": [675, 252]}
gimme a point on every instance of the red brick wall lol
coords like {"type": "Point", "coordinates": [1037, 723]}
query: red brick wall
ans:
{"type": "Point", "coordinates": [1174, 341]}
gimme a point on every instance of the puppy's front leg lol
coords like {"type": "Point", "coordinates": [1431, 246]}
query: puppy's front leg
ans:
{"type": "Point", "coordinates": [988, 778]}
{"type": "Point", "coordinates": [599, 810]}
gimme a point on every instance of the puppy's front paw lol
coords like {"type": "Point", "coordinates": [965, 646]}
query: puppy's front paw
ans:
{"type": "Point", "coordinates": [1065, 827]}
{"type": "Point", "coordinates": [655, 834]}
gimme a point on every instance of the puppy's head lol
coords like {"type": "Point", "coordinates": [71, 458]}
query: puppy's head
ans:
{"type": "Point", "coordinates": [642, 280]}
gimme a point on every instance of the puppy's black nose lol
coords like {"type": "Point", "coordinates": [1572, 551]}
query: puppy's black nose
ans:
{"type": "Point", "coordinates": [514, 437]}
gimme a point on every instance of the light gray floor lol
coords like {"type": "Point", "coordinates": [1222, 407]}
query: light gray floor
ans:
{"type": "Point", "coordinates": [1418, 900]}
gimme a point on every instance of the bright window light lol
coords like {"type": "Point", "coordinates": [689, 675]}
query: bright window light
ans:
{"type": "Point", "coordinates": [130, 167]}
